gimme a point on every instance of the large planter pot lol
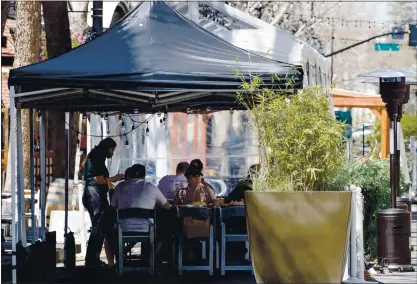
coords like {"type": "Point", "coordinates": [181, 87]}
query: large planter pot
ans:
{"type": "Point", "coordinates": [298, 237]}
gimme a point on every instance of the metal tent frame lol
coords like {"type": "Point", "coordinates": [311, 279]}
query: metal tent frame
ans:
{"type": "Point", "coordinates": [52, 85]}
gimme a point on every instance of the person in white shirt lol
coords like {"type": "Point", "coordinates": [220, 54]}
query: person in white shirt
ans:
{"type": "Point", "coordinates": [170, 184]}
{"type": "Point", "coordinates": [137, 193]}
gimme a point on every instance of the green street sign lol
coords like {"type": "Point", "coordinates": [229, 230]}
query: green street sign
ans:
{"type": "Point", "coordinates": [387, 47]}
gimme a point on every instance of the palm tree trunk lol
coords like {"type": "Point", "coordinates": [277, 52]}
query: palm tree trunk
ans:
{"type": "Point", "coordinates": [5, 6]}
{"type": "Point", "coordinates": [58, 41]}
{"type": "Point", "coordinates": [27, 47]}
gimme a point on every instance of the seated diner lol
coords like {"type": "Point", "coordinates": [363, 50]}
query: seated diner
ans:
{"type": "Point", "coordinates": [136, 193]}
{"type": "Point", "coordinates": [195, 192]}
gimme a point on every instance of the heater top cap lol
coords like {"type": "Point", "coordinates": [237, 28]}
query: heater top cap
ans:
{"type": "Point", "coordinates": [390, 73]}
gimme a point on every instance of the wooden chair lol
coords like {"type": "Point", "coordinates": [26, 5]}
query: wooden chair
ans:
{"type": "Point", "coordinates": [225, 213]}
{"type": "Point", "coordinates": [135, 237]}
{"type": "Point", "coordinates": [195, 213]}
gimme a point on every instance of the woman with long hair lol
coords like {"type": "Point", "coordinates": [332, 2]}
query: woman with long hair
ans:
{"type": "Point", "coordinates": [96, 177]}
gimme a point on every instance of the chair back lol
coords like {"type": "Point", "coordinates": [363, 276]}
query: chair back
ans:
{"type": "Point", "coordinates": [202, 213]}
{"type": "Point", "coordinates": [135, 213]}
{"type": "Point", "coordinates": [232, 211]}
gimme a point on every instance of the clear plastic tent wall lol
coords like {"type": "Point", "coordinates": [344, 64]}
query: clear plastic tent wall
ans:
{"type": "Point", "coordinates": [222, 140]}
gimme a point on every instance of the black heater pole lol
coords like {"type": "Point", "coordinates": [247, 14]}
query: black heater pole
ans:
{"type": "Point", "coordinates": [395, 170]}
{"type": "Point", "coordinates": [393, 91]}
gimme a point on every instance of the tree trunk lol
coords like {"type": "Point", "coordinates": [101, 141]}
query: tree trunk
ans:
{"type": "Point", "coordinates": [78, 19]}
{"type": "Point", "coordinates": [5, 5]}
{"type": "Point", "coordinates": [27, 47]}
{"type": "Point", "coordinates": [58, 41]}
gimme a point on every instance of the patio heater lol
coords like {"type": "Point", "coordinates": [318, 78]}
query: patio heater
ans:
{"type": "Point", "coordinates": [394, 226]}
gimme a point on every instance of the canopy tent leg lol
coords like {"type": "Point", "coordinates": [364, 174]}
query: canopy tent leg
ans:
{"type": "Point", "coordinates": [32, 179]}
{"type": "Point", "coordinates": [67, 173]}
{"type": "Point", "coordinates": [42, 195]}
{"type": "Point", "coordinates": [13, 179]}
{"type": "Point", "coordinates": [79, 186]}
{"type": "Point", "coordinates": [20, 176]}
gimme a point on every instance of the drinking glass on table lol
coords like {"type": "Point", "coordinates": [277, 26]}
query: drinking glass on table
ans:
{"type": "Point", "coordinates": [202, 196]}
{"type": "Point", "coordinates": [182, 193]}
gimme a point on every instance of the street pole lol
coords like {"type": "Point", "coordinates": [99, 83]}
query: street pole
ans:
{"type": "Point", "coordinates": [97, 17]}
{"type": "Point", "coordinates": [332, 61]}
{"type": "Point", "coordinates": [363, 139]}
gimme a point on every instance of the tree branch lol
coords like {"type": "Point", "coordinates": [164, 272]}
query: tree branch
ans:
{"type": "Point", "coordinates": [280, 13]}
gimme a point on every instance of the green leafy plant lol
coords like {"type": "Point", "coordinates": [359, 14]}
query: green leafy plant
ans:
{"type": "Point", "coordinates": [300, 142]}
{"type": "Point", "coordinates": [372, 176]}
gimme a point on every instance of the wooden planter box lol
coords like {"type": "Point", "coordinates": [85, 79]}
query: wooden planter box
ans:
{"type": "Point", "coordinates": [298, 237]}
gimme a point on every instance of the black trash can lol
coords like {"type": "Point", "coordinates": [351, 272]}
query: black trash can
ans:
{"type": "Point", "coordinates": [394, 232]}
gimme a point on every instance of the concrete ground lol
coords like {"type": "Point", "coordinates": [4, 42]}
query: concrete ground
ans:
{"type": "Point", "coordinates": [83, 275]}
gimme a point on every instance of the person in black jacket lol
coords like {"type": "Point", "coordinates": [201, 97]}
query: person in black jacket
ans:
{"type": "Point", "coordinates": [96, 177]}
{"type": "Point", "coordinates": [238, 192]}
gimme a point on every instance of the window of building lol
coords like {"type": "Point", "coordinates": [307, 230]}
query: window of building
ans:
{"type": "Point", "coordinates": [3, 42]}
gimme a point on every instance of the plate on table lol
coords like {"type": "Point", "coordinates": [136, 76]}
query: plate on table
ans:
{"type": "Point", "coordinates": [237, 203]}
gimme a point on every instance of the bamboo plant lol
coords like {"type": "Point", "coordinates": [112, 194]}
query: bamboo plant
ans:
{"type": "Point", "coordinates": [300, 142]}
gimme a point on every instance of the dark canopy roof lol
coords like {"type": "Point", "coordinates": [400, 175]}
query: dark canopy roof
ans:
{"type": "Point", "coordinates": [152, 58]}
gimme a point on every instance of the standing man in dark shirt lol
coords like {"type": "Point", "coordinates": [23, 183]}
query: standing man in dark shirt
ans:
{"type": "Point", "coordinates": [96, 178]}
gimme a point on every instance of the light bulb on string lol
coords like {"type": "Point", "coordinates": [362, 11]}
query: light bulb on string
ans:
{"type": "Point", "coordinates": [123, 126]}
{"type": "Point", "coordinates": [126, 144]}
{"type": "Point", "coordinates": [84, 117]}
{"type": "Point", "coordinates": [133, 127]}
{"type": "Point", "coordinates": [106, 117]}
{"type": "Point", "coordinates": [136, 111]}
{"type": "Point", "coordinates": [37, 145]}
{"type": "Point", "coordinates": [147, 130]}
{"type": "Point", "coordinates": [120, 118]}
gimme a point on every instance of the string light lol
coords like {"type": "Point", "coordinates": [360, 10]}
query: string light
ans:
{"type": "Point", "coordinates": [126, 144]}
{"type": "Point", "coordinates": [136, 111]}
{"type": "Point", "coordinates": [139, 123]}
{"type": "Point", "coordinates": [106, 117]}
{"type": "Point", "coordinates": [123, 126]}
{"type": "Point", "coordinates": [37, 145]}
{"type": "Point", "coordinates": [120, 118]}
{"type": "Point", "coordinates": [147, 129]}
{"type": "Point", "coordinates": [84, 117]}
